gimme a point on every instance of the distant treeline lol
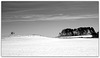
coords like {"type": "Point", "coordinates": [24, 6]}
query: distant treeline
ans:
{"type": "Point", "coordinates": [79, 31]}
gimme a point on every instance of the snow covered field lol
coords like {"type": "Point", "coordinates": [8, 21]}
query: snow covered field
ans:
{"type": "Point", "coordinates": [44, 46]}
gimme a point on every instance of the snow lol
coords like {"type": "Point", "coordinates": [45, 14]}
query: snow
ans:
{"type": "Point", "coordinates": [45, 46]}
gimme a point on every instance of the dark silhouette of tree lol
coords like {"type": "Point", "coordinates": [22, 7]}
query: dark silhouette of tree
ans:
{"type": "Point", "coordinates": [98, 34]}
{"type": "Point", "coordinates": [92, 30]}
{"type": "Point", "coordinates": [66, 32]}
{"type": "Point", "coordinates": [12, 33]}
{"type": "Point", "coordinates": [79, 31]}
{"type": "Point", "coordinates": [95, 35]}
{"type": "Point", "coordinates": [75, 32]}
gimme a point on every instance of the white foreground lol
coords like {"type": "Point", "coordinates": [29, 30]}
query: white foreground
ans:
{"type": "Point", "coordinates": [44, 46]}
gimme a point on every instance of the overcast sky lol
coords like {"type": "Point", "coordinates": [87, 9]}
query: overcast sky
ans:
{"type": "Point", "coordinates": [48, 18]}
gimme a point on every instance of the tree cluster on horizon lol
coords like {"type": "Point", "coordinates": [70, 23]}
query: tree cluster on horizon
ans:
{"type": "Point", "coordinates": [79, 31]}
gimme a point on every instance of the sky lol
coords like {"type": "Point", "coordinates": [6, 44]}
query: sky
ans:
{"type": "Point", "coordinates": [47, 18]}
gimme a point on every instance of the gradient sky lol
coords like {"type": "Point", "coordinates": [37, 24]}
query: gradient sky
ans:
{"type": "Point", "coordinates": [48, 18]}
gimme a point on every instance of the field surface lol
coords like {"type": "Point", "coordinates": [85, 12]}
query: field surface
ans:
{"type": "Point", "coordinates": [45, 46]}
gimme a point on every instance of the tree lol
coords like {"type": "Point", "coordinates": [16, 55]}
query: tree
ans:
{"type": "Point", "coordinates": [75, 32]}
{"type": "Point", "coordinates": [66, 32]}
{"type": "Point", "coordinates": [98, 34]}
{"type": "Point", "coordinates": [79, 31]}
{"type": "Point", "coordinates": [92, 30]}
{"type": "Point", "coordinates": [95, 35]}
{"type": "Point", "coordinates": [12, 33]}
